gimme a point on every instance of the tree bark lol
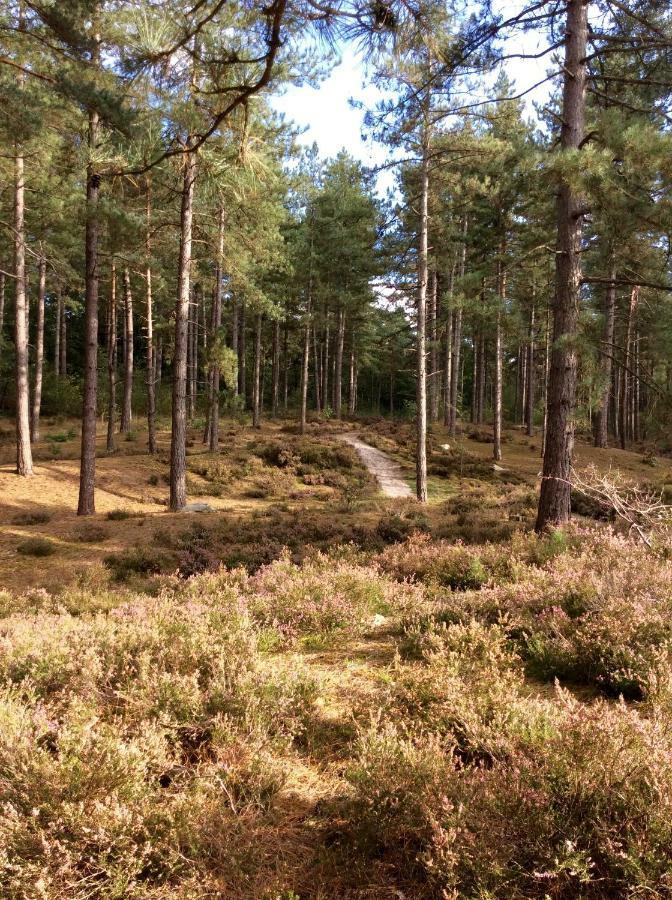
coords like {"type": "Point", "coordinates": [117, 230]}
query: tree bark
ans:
{"type": "Point", "coordinates": [606, 363]}
{"type": "Point", "coordinates": [63, 369]}
{"type": "Point", "coordinates": [626, 378]}
{"type": "Point", "coordinates": [127, 404]}
{"type": "Point", "coordinates": [529, 413]}
{"type": "Point", "coordinates": [457, 343]}
{"type": "Point", "coordinates": [178, 441]}
{"type": "Point", "coordinates": [216, 325]}
{"type": "Point", "coordinates": [555, 495]}
{"type": "Point", "coordinates": [304, 374]}
{"type": "Point", "coordinates": [448, 352]}
{"type": "Point", "coordinates": [434, 374]}
{"type": "Point", "coordinates": [57, 333]}
{"type": "Point", "coordinates": [2, 306]}
{"type": "Point", "coordinates": [151, 394]}
{"type": "Point", "coordinates": [112, 360]}
{"type": "Point", "coordinates": [338, 375]}
{"type": "Point", "coordinates": [497, 406]}
{"type": "Point", "coordinates": [242, 353]}
{"type": "Point", "coordinates": [421, 349]}
{"type": "Point", "coordinates": [24, 456]}
{"type": "Point", "coordinates": [275, 377]}
{"type": "Point", "coordinates": [39, 352]}
{"type": "Point", "coordinates": [256, 384]}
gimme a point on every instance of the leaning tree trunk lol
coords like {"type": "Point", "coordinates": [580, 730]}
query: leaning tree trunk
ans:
{"type": "Point", "coordinates": [39, 352]}
{"type": "Point", "coordinates": [606, 362]}
{"type": "Point", "coordinates": [87, 472]}
{"type": "Point", "coordinates": [421, 337]}
{"type": "Point", "coordinates": [149, 358]}
{"type": "Point", "coordinates": [178, 440]}
{"type": "Point", "coordinates": [555, 496]}
{"type": "Point", "coordinates": [256, 384]}
{"type": "Point", "coordinates": [24, 456]}
{"type": "Point", "coordinates": [127, 403]}
{"type": "Point", "coordinates": [112, 360]}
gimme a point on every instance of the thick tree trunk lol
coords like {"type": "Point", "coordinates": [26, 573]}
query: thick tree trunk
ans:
{"type": "Point", "coordinates": [338, 374]}
{"type": "Point", "coordinates": [421, 349]}
{"type": "Point", "coordinates": [151, 382]}
{"type": "Point", "coordinates": [127, 403]}
{"type": "Point", "coordinates": [112, 360]}
{"type": "Point", "coordinates": [39, 352]}
{"type": "Point", "coordinates": [178, 441]}
{"type": "Point", "coordinates": [24, 456]}
{"type": "Point", "coordinates": [606, 363]}
{"type": "Point", "coordinates": [555, 496]}
{"type": "Point", "coordinates": [529, 411]}
{"type": "Point", "coordinates": [256, 384]}
{"type": "Point", "coordinates": [275, 376]}
{"type": "Point", "coordinates": [87, 471]}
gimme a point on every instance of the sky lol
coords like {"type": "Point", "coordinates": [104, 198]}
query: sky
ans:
{"type": "Point", "coordinates": [325, 114]}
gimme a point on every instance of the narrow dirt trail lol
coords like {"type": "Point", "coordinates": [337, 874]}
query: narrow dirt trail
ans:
{"type": "Point", "coordinates": [385, 470]}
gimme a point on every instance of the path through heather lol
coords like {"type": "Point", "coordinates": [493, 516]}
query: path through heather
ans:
{"type": "Point", "coordinates": [386, 471]}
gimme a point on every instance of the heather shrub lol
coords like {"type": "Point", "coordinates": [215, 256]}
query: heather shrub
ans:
{"type": "Point", "coordinates": [36, 546]}
{"type": "Point", "coordinates": [479, 789]}
{"type": "Point", "coordinates": [34, 517]}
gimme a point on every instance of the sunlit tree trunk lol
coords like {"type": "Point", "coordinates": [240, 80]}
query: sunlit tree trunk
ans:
{"type": "Point", "coordinates": [555, 496]}
{"type": "Point", "coordinates": [497, 405]}
{"type": "Point", "coordinates": [529, 412]}
{"type": "Point", "coordinates": [151, 392]}
{"type": "Point", "coordinates": [606, 362]}
{"type": "Point", "coordinates": [24, 456]}
{"type": "Point", "coordinates": [216, 325]}
{"type": "Point", "coordinates": [178, 441]}
{"type": "Point", "coordinates": [127, 402]}
{"type": "Point", "coordinates": [421, 312]}
{"type": "Point", "coordinates": [39, 351]}
{"type": "Point", "coordinates": [457, 342]}
{"type": "Point", "coordinates": [112, 359]}
{"type": "Point", "coordinates": [626, 370]}
{"type": "Point", "coordinates": [304, 373]}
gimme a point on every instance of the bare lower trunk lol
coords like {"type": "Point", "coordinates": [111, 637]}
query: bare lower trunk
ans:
{"type": "Point", "coordinates": [190, 362]}
{"type": "Point", "coordinates": [434, 374]}
{"type": "Point", "coordinates": [448, 354]}
{"type": "Point", "coordinates": [256, 384]}
{"type": "Point", "coordinates": [529, 410]}
{"type": "Point", "coordinates": [87, 472]}
{"type": "Point", "coordinates": [127, 403]}
{"type": "Point", "coordinates": [421, 349]}
{"type": "Point", "coordinates": [606, 363]}
{"type": "Point", "coordinates": [235, 343]}
{"type": "Point", "coordinates": [304, 377]}
{"type": "Point", "coordinates": [352, 398]}
{"type": "Point", "coordinates": [151, 393]}
{"type": "Point", "coordinates": [338, 375]}
{"type": "Point", "coordinates": [285, 356]}
{"type": "Point", "coordinates": [457, 344]}
{"type": "Point", "coordinates": [57, 334]}
{"type": "Point", "coordinates": [216, 325]}
{"type": "Point", "coordinates": [39, 351]}
{"type": "Point", "coordinates": [63, 368]}
{"type": "Point", "coordinates": [626, 371]}
{"type": "Point", "coordinates": [325, 384]}
{"type": "Point", "coordinates": [24, 456]}
{"type": "Point", "coordinates": [317, 374]}
{"type": "Point", "coordinates": [2, 306]}
{"type": "Point", "coordinates": [497, 405]}
{"type": "Point", "coordinates": [275, 391]}
{"type": "Point", "coordinates": [555, 496]}
{"type": "Point", "coordinates": [242, 357]}
{"type": "Point", "coordinates": [178, 441]}
{"type": "Point", "coordinates": [112, 360]}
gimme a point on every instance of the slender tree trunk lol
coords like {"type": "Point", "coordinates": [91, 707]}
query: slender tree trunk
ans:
{"type": "Point", "coordinates": [39, 351]}
{"type": "Point", "coordinates": [112, 360]}
{"type": "Point", "coordinates": [606, 362]}
{"type": "Point", "coordinates": [158, 362]}
{"type": "Point", "coordinates": [626, 378]}
{"type": "Point", "coordinates": [482, 357]}
{"type": "Point", "coordinates": [529, 415]}
{"type": "Point", "coordinates": [352, 404]}
{"type": "Point", "coordinates": [151, 395]}
{"type": "Point", "coordinates": [636, 393]}
{"type": "Point", "coordinates": [327, 358]}
{"type": "Point", "coordinates": [178, 441]}
{"type": "Point", "coordinates": [57, 333]}
{"type": "Point", "coordinates": [127, 404]}
{"type": "Point", "coordinates": [547, 369]}
{"type": "Point", "coordinates": [434, 374]}
{"type": "Point", "coordinates": [304, 374]}
{"type": "Point", "coordinates": [318, 373]}
{"type": "Point", "coordinates": [256, 384]}
{"type": "Point", "coordinates": [275, 376]}
{"type": "Point", "coordinates": [195, 317]}
{"type": "Point", "coordinates": [24, 456]}
{"type": "Point", "coordinates": [2, 306]}
{"type": "Point", "coordinates": [448, 352]}
{"type": "Point", "coordinates": [242, 357]}
{"type": "Point", "coordinates": [285, 355]}
{"type": "Point", "coordinates": [63, 370]}
{"type": "Point", "coordinates": [555, 496]}
{"type": "Point", "coordinates": [457, 343]}
{"type": "Point", "coordinates": [421, 349]}
{"type": "Point", "coordinates": [474, 379]}
{"type": "Point", "coordinates": [338, 376]}
{"type": "Point", "coordinates": [217, 324]}
{"type": "Point", "coordinates": [235, 342]}
{"type": "Point", "coordinates": [497, 408]}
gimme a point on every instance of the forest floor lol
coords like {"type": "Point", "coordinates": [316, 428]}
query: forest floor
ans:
{"type": "Point", "coordinates": [382, 627]}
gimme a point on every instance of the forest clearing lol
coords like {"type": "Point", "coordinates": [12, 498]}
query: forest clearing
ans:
{"type": "Point", "coordinates": [335, 450]}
